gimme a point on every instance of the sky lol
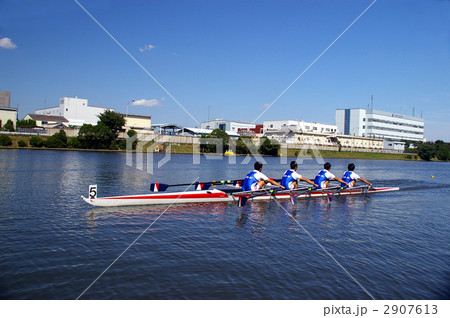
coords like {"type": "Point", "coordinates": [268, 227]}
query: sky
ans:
{"type": "Point", "coordinates": [184, 61]}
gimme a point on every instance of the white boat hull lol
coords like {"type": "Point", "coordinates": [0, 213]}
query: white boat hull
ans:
{"type": "Point", "coordinates": [215, 195]}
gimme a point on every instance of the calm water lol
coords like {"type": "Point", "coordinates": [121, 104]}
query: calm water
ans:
{"type": "Point", "coordinates": [396, 245]}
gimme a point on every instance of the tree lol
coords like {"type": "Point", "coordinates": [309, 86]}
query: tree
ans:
{"type": "Point", "coordinates": [28, 123]}
{"type": "Point", "coordinates": [36, 141]}
{"type": "Point", "coordinates": [123, 143]}
{"type": "Point", "coordinates": [113, 121]}
{"type": "Point", "coordinates": [210, 147]}
{"type": "Point", "coordinates": [443, 153]}
{"type": "Point", "coordinates": [269, 147]}
{"type": "Point", "coordinates": [9, 126]}
{"type": "Point", "coordinates": [5, 140]}
{"type": "Point", "coordinates": [241, 145]}
{"type": "Point", "coordinates": [95, 137]}
{"type": "Point", "coordinates": [426, 151]}
{"type": "Point", "coordinates": [58, 140]}
{"type": "Point", "coordinates": [73, 142]}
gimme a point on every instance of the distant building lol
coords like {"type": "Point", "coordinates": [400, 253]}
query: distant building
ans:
{"type": "Point", "coordinates": [299, 126]}
{"type": "Point", "coordinates": [326, 141]}
{"type": "Point", "coordinates": [5, 99]}
{"type": "Point", "coordinates": [76, 110]}
{"type": "Point", "coordinates": [252, 132]}
{"type": "Point", "coordinates": [139, 123]}
{"type": "Point", "coordinates": [229, 126]}
{"type": "Point", "coordinates": [7, 113]}
{"type": "Point", "coordinates": [379, 124]}
{"type": "Point", "coordinates": [48, 121]}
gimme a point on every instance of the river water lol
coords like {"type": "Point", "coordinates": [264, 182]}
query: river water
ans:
{"type": "Point", "coordinates": [54, 246]}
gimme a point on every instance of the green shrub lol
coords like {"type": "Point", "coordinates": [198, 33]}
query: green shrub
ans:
{"type": "Point", "coordinates": [22, 143]}
{"type": "Point", "coordinates": [36, 141]}
{"type": "Point", "coordinates": [58, 140]}
{"type": "Point", "coordinates": [122, 143]}
{"type": "Point", "coordinates": [5, 140]}
{"type": "Point", "coordinates": [73, 142]}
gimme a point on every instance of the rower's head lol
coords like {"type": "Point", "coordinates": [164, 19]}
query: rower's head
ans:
{"type": "Point", "coordinates": [294, 165]}
{"type": "Point", "coordinates": [327, 166]}
{"type": "Point", "coordinates": [351, 167]}
{"type": "Point", "coordinates": [258, 166]}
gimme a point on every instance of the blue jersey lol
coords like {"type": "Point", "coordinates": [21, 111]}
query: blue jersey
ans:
{"type": "Point", "coordinates": [249, 181]}
{"type": "Point", "coordinates": [287, 179]}
{"type": "Point", "coordinates": [320, 178]}
{"type": "Point", "coordinates": [347, 177]}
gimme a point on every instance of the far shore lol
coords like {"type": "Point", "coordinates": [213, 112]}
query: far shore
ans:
{"type": "Point", "coordinates": [291, 153]}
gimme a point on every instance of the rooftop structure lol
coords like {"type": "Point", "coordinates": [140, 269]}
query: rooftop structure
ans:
{"type": "Point", "coordinates": [76, 110]}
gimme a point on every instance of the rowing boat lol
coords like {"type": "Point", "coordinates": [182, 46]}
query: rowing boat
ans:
{"type": "Point", "coordinates": [216, 195]}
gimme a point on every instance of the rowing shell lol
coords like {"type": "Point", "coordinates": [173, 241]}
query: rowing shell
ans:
{"type": "Point", "coordinates": [214, 195]}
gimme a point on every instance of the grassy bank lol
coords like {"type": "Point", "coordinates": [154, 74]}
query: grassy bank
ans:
{"type": "Point", "coordinates": [355, 155]}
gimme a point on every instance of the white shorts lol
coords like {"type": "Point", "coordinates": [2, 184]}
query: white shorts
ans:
{"type": "Point", "coordinates": [255, 186]}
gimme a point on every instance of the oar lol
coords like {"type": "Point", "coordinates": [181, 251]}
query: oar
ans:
{"type": "Point", "coordinates": [160, 187]}
{"type": "Point", "coordinates": [329, 196]}
{"type": "Point", "coordinates": [243, 200]}
{"type": "Point", "coordinates": [295, 196]}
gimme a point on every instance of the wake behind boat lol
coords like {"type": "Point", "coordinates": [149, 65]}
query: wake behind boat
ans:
{"type": "Point", "coordinates": [234, 194]}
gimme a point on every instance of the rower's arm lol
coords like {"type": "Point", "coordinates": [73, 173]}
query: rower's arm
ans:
{"type": "Point", "coordinates": [309, 181]}
{"type": "Point", "coordinates": [341, 181]}
{"type": "Point", "coordinates": [271, 181]}
{"type": "Point", "coordinates": [365, 181]}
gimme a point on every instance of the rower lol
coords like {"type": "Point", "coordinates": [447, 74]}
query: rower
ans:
{"type": "Point", "coordinates": [350, 177]}
{"type": "Point", "coordinates": [324, 176]}
{"type": "Point", "coordinates": [291, 178]}
{"type": "Point", "coordinates": [256, 180]}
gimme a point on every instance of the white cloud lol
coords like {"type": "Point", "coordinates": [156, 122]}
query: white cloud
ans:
{"type": "Point", "coordinates": [148, 102]}
{"type": "Point", "coordinates": [6, 43]}
{"type": "Point", "coordinates": [148, 47]}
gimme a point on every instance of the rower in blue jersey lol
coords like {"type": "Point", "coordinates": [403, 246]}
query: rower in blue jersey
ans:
{"type": "Point", "coordinates": [291, 178]}
{"type": "Point", "coordinates": [324, 176]}
{"type": "Point", "coordinates": [256, 180]}
{"type": "Point", "coordinates": [350, 177]}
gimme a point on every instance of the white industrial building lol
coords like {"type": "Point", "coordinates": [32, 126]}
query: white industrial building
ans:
{"type": "Point", "coordinates": [379, 124]}
{"type": "Point", "coordinates": [227, 125]}
{"type": "Point", "coordinates": [300, 126]}
{"type": "Point", "coordinates": [75, 110]}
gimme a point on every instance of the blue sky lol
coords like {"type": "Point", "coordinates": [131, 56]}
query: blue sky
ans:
{"type": "Point", "coordinates": [233, 57]}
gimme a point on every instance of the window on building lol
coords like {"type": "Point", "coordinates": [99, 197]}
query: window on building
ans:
{"type": "Point", "coordinates": [271, 126]}
{"type": "Point", "coordinates": [67, 109]}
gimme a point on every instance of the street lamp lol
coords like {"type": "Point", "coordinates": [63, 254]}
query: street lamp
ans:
{"type": "Point", "coordinates": [132, 101]}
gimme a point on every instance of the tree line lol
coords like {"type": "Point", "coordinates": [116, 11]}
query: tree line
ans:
{"type": "Point", "coordinates": [243, 145]}
{"type": "Point", "coordinates": [103, 135]}
{"type": "Point", "coordinates": [434, 150]}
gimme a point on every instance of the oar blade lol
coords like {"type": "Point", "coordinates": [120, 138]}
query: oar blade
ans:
{"type": "Point", "coordinates": [158, 187]}
{"type": "Point", "coordinates": [293, 199]}
{"type": "Point", "coordinates": [242, 201]}
{"type": "Point", "coordinates": [202, 185]}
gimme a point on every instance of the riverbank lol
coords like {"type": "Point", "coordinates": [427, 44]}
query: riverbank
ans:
{"type": "Point", "coordinates": [323, 153]}
{"type": "Point", "coordinates": [180, 148]}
